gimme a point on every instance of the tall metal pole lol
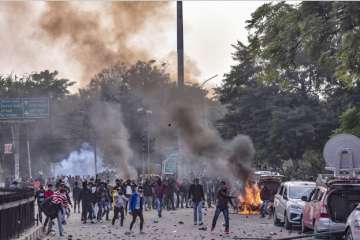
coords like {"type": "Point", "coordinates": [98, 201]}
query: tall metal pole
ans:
{"type": "Point", "coordinates": [95, 156]}
{"type": "Point", "coordinates": [16, 144]}
{"type": "Point", "coordinates": [180, 45]}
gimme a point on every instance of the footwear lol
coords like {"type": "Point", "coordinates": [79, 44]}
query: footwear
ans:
{"type": "Point", "coordinates": [195, 224]}
{"type": "Point", "coordinates": [142, 232]}
{"type": "Point", "coordinates": [226, 231]}
{"type": "Point", "coordinates": [212, 228]}
{"type": "Point", "coordinates": [201, 223]}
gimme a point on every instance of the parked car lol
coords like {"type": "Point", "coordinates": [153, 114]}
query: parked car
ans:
{"type": "Point", "coordinates": [329, 205]}
{"type": "Point", "coordinates": [288, 205]}
{"type": "Point", "coordinates": [352, 231]}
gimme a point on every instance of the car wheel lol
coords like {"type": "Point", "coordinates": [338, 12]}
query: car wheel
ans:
{"type": "Point", "coordinates": [287, 224]}
{"type": "Point", "coordinates": [276, 220]}
{"type": "Point", "coordinates": [348, 235]}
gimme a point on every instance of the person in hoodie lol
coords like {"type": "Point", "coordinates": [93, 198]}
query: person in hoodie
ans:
{"type": "Point", "coordinates": [136, 207]}
{"type": "Point", "coordinates": [119, 206]}
{"type": "Point", "coordinates": [223, 199]}
{"type": "Point", "coordinates": [85, 197]}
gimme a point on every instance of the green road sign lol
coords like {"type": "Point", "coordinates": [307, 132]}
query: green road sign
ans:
{"type": "Point", "coordinates": [169, 164]}
{"type": "Point", "coordinates": [11, 108]}
{"type": "Point", "coordinates": [24, 108]}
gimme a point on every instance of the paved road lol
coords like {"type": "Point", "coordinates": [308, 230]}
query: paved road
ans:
{"type": "Point", "coordinates": [173, 225]}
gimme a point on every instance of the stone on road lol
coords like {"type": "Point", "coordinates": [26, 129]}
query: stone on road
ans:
{"type": "Point", "coordinates": [173, 225]}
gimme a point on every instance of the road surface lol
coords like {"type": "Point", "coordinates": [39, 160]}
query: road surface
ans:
{"type": "Point", "coordinates": [173, 225]}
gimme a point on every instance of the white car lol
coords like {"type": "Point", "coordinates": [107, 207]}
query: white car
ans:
{"type": "Point", "coordinates": [288, 206]}
{"type": "Point", "coordinates": [352, 231]}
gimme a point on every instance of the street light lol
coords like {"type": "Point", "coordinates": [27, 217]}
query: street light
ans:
{"type": "Point", "coordinates": [147, 113]}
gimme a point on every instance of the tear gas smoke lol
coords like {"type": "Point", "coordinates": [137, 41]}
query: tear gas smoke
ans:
{"type": "Point", "coordinates": [223, 157]}
{"type": "Point", "coordinates": [79, 163]}
{"type": "Point", "coordinates": [112, 137]}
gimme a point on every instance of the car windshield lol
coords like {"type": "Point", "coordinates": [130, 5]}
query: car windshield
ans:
{"type": "Point", "coordinates": [296, 192]}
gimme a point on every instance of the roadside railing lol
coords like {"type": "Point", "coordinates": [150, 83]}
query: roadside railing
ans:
{"type": "Point", "coordinates": [16, 211]}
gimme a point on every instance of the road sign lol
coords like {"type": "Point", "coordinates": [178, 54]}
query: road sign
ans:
{"type": "Point", "coordinates": [11, 108]}
{"type": "Point", "coordinates": [169, 164]}
{"type": "Point", "coordinates": [8, 148]}
{"type": "Point", "coordinates": [36, 107]}
{"type": "Point", "coordinates": [24, 108]}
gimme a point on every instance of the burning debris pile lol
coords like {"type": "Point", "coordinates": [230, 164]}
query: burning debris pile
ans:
{"type": "Point", "coordinates": [249, 200]}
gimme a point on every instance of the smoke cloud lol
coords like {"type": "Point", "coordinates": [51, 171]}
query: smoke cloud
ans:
{"type": "Point", "coordinates": [102, 38]}
{"type": "Point", "coordinates": [227, 158]}
{"type": "Point", "coordinates": [112, 137]}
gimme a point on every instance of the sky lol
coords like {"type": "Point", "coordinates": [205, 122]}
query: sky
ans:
{"type": "Point", "coordinates": [210, 27]}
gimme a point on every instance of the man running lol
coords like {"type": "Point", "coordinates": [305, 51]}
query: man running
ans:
{"type": "Point", "coordinates": [222, 206]}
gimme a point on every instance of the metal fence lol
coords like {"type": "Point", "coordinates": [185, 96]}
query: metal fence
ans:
{"type": "Point", "coordinates": [16, 211]}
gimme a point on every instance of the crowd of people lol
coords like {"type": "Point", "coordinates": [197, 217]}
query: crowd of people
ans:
{"type": "Point", "coordinates": [97, 200]}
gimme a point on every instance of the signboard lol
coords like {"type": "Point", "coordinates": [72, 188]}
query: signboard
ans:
{"type": "Point", "coordinates": [8, 148]}
{"type": "Point", "coordinates": [24, 108]}
{"type": "Point", "coordinates": [169, 164]}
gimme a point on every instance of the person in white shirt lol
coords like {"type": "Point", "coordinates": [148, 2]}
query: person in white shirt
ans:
{"type": "Point", "coordinates": [119, 206]}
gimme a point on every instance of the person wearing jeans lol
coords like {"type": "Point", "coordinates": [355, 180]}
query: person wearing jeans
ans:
{"type": "Point", "coordinates": [136, 208]}
{"type": "Point", "coordinates": [119, 205]}
{"type": "Point", "coordinates": [158, 194]}
{"type": "Point", "coordinates": [196, 193]}
{"type": "Point", "coordinates": [60, 200]}
{"type": "Point", "coordinates": [222, 207]}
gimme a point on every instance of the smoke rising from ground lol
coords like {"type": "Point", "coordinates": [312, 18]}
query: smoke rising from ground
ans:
{"type": "Point", "coordinates": [79, 163]}
{"type": "Point", "coordinates": [226, 158]}
{"type": "Point", "coordinates": [112, 137]}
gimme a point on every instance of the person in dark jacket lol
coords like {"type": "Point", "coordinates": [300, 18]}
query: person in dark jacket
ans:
{"type": "Point", "coordinates": [223, 199]}
{"type": "Point", "coordinates": [75, 195]}
{"type": "Point", "coordinates": [148, 195]}
{"type": "Point", "coordinates": [196, 193]}
{"type": "Point", "coordinates": [159, 194]}
{"type": "Point", "coordinates": [265, 195]}
{"type": "Point", "coordinates": [85, 197]}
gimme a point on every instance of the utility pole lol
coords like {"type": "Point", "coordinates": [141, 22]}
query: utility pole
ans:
{"type": "Point", "coordinates": [95, 156]}
{"type": "Point", "coordinates": [180, 45]}
{"type": "Point", "coordinates": [16, 144]}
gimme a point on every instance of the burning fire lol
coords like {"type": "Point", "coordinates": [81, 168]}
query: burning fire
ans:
{"type": "Point", "coordinates": [250, 200]}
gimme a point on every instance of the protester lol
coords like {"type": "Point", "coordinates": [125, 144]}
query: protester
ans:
{"type": "Point", "coordinates": [103, 201]}
{"type": "Point", "coordinates": [61, 201]}
{"type": "Point", "coordinates": [184, 189]}
{"type": "Point", "coordinates": [222, 206]}
{"type": "Point", "coordinates": [76, 195]}
{"type": "Point", "coordinates": [158, 194]}
{"type": "Point", "coordinates": [85, 197]}
{"type": "Point", "coordinates": [40, 198]}
{"type": "Point", "coordinates": [119, 205]}
{"type": "Point", "coordinates": [196, 193]}
{"type": "Point", "coordinates": [136, 208]}
{"type": "Point", "coordinates": [265, 195]}
{"type": "Point", "coordinates": [148, 195]}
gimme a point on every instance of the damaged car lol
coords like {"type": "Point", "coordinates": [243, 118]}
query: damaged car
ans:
{"type": "Point", "coordinates": [330, 204]}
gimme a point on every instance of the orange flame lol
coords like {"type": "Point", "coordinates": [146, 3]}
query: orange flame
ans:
{"type": "Point", "coordinates": [250, 200]}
